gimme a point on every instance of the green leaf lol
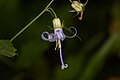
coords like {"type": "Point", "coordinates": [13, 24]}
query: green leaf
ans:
{"type": "Point", "coordinates": [7, 49]}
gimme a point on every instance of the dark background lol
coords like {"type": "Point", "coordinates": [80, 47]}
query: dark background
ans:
{"type": "Point", "coordinates": [95, 57]}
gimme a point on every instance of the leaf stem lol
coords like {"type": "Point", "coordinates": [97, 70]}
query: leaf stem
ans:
{"type": "Point", "coordinates": [31, 22]}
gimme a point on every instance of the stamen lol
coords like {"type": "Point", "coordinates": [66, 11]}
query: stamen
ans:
{"type": "Point", "coordinates": [57, 45]}
{"type": "Point", "coordinates": [81, 16]}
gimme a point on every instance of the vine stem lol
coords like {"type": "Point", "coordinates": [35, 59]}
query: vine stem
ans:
{"type": "Point", "coordinates": [31, 22]}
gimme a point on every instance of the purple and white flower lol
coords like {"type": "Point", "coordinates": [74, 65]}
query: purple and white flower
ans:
{"type": "Point", "coordinates": [57, 36]}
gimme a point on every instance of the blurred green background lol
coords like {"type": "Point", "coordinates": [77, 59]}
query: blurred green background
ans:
{"type": "Point", "coordinates": [95, 57]}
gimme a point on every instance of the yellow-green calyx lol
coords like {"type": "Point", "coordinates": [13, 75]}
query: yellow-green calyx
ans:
{"type": "Point", "coordinates": [57, 23]}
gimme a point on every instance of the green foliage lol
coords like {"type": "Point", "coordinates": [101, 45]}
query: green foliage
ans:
{"type": "Point", "coordinates": [7, 49]}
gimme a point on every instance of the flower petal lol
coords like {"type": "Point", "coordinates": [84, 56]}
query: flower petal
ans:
{"type": "Point", "coordinates": [43, 37]}
{"type": "Point", "coordinates": [60, 34]}
{"type": "Point", "coordinates": [52, 37]}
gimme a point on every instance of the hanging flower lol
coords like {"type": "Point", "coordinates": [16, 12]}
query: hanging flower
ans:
{"type": "Point", "coordinates": [58, 36]}
{"type": "Point", "coordinates": [78, 7]}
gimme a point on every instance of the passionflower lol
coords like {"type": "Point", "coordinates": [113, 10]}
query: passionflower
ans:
{"type": "Point", "coordinates": [58, 36]}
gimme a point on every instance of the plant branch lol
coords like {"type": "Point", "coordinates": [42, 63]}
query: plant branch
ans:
{"type": "Point", "coordinates": [31, 22]}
